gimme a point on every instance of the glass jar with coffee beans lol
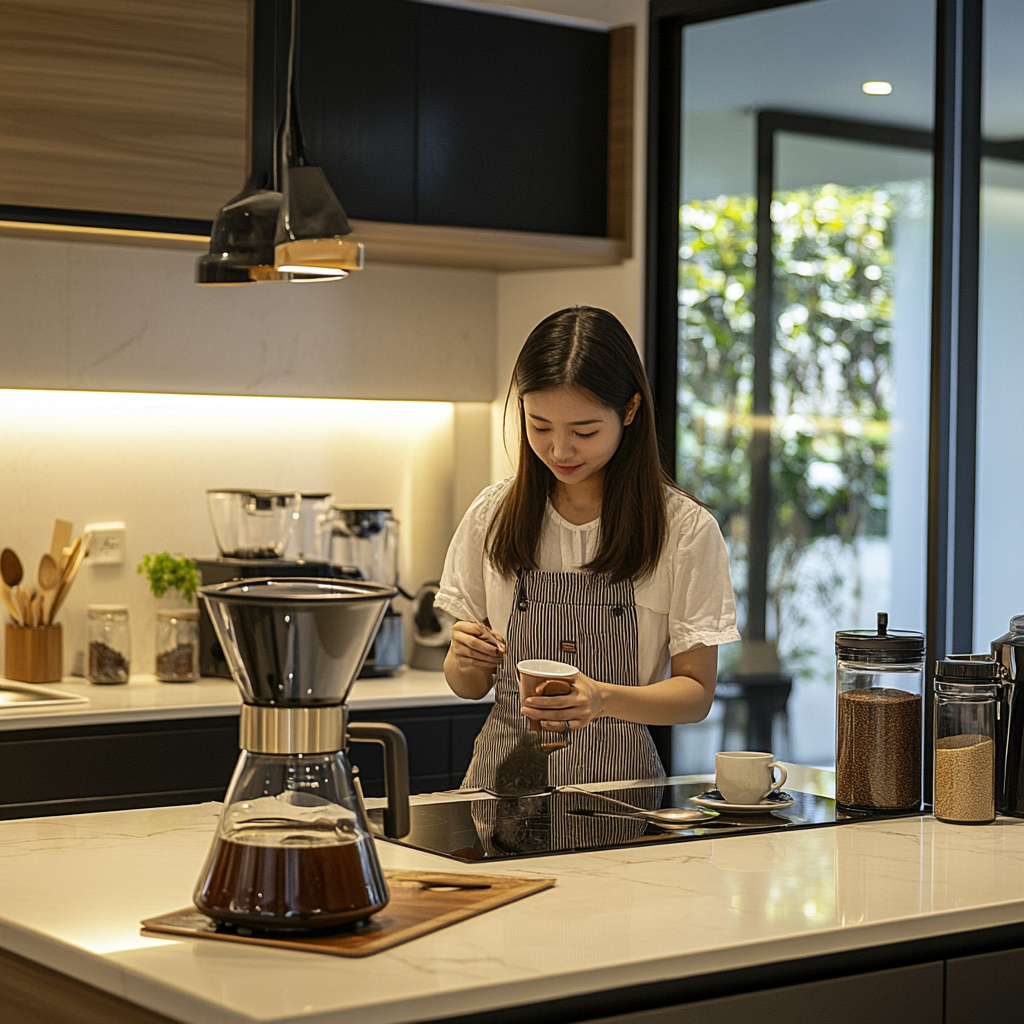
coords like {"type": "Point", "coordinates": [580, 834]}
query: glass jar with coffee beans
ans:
{"type": "Point", "coordinates": [110, 644]}
{"type": "Point", "coordinates": [879, 688]}
{"type": "Point", "coordinates": [177, 645]}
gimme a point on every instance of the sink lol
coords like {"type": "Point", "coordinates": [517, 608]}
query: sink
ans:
{"type": "Point", "coordinates": [29, 697]}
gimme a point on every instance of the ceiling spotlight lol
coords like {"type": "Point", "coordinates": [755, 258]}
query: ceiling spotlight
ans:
{"type": "Point", "coordinates": [877, 88]}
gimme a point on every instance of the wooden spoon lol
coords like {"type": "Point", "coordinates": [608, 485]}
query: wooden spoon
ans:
{"type": "Point", "coordinates": [11, 572]}
{"type": "Point", "coordinates": [10, 568]}
{"type": "Point", "coordinates": [7, 595]}
{"type": "Point", "coordinates": [49, 579]}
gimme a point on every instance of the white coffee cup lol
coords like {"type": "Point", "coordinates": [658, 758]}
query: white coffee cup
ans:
{"type": "Point", "coordinates": [746, 776]}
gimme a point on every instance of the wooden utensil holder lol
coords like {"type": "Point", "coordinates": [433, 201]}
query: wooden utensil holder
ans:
{"type": "Point", "coordinates": [34, 654]}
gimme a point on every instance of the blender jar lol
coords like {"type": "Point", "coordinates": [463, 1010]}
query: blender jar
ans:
{"type": "Point", "coordinates": [966, 699]}
{"type": "Point", "coordinates": [879, 687]}
{"type": "Point", "coordinates": [364, 538]}
{"type": "Point", "coordinates": [252, 524]}
{"type": "Point", "coordinates": [177, 645]}
{"type": "Point", "coordinates": [110, 644]}
{"type": "Point", "coordinates": [303, 543]}
{"type": "Point", "coordinates": [293, 850]}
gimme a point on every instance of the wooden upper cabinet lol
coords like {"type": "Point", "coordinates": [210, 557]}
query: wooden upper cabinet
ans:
{"type": "Point", "coordinates": [452, 137]}
{"type": "Point", "coordinates": [133, 107]}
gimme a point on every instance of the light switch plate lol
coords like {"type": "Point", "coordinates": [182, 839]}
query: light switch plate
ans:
{"type": "Point", "coordinates": [106, 543]}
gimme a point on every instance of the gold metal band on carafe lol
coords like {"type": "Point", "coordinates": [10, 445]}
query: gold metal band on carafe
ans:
{"type": "Point", "coordinates": [276, 730]}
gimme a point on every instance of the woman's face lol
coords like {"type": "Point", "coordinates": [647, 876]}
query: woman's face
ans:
{"type": "Point", "coordinates": [573, 433]}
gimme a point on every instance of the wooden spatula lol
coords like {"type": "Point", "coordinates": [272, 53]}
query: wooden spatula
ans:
{"type": "Point", "coordinates": [60, 539]}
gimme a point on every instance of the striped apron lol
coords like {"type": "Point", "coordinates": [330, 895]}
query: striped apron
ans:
{"type": "Point", "coordinates": [581, 619]}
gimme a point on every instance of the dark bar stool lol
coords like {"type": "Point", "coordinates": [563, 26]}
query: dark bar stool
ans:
{"type": "Point", "coordinates": [753, 703]}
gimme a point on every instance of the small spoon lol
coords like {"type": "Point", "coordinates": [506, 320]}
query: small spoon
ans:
{"type": "Point", "coordinates": [670, 817]}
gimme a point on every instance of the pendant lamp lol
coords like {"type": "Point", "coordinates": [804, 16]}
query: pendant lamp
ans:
{"type": "Point", "coordinates": [311, 223]}
{"type": "Point", "coordinates": [242, 240]}
{"type": "Point", "coordinates": [245, 233]}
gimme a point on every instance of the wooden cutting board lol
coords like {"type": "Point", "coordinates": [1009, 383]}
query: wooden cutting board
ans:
{"type": "Point", "coordinates": [421, 902]}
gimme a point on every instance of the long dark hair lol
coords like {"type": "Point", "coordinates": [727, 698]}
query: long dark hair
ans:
{"type": "Point", "coordinates": [586, 348]}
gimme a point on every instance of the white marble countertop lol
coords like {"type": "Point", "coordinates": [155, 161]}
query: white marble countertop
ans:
{"type": "Point", "coordinates": [73, 890]}
{"type": "Point", "coordinates": [143, 698]}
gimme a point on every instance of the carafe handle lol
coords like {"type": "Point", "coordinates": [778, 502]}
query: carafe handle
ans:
{"type": "Point", "coordinates": [396, 771]}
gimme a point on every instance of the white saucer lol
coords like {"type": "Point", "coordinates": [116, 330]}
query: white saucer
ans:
{"type": "Point", "coordinates": [714, 801]}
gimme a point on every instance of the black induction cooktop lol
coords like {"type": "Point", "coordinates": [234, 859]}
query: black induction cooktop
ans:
{"type": "Point", "coordinates": [481, 826]}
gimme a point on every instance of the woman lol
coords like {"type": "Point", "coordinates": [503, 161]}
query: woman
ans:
{"type": "Point", "coordinates": [590, 555]}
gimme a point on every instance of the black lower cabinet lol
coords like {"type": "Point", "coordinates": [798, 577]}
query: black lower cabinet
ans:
{"type": "Point", "coordinates": [114, 767]}
{"type": "Point", "coordinates": [187, 761]}
{"type": "Point", "coordinates": [906, 995]}
{"type": "Point", "coordinates": [440, 745]}
{"type": "Point", "coordinates": [986, 988]}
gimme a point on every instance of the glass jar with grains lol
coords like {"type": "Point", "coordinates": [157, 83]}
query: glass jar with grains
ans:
{"type": "Point", "coordinates": [967, 690]}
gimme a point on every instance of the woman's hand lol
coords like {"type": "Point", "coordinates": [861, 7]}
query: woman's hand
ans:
{"type": "Point", "coordinates": [474, 647]}
{"type": "Point", "coordinates": [579, 708]}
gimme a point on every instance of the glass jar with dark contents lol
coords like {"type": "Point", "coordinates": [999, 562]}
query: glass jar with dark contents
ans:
{"type": "Point", "coordinates": [177, 645]}
{"type": "Point", "coordinates": [879, 687]}
{"type": "Point", "coordinates": [110, 644]}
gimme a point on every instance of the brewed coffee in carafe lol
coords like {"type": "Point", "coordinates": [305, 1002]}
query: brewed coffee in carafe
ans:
{"type": "Point", "coordinates": [293, 850]}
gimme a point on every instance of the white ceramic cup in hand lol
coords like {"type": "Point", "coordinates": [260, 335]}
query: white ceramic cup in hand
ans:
{"type": "Point", "coordinates": [746, 776]}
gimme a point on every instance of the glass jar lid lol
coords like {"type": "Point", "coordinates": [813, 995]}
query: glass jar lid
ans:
{"type": "Point", "coordinates": [881, 644]}
{"type": "Point", "coordinates": [968, 668]}
{"type": "Point", "coordinates": [98, 610]}
{"type": "Point", "coordinates": [180, 614]}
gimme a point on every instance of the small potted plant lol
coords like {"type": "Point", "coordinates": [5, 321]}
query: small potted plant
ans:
{"type": "Point", "coordinates": [177, 630]}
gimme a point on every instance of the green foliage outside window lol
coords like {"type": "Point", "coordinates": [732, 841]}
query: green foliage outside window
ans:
{"type": "Point", "coordinates": [831, 374]}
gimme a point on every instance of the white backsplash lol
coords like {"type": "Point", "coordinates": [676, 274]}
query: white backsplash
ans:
{"type": "Point", "coordinates": [147, 460]}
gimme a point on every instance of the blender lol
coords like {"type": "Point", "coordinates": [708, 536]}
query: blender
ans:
{"type": "Point", "coordinates": [293, 851]}
{"type": "Point", "coordinates": [367, 540]}
{"type": "Point", "coordinates": [260, 533]}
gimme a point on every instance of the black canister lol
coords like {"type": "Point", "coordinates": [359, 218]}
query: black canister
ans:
{"type": "Point", "coordinates": [1008, 651]}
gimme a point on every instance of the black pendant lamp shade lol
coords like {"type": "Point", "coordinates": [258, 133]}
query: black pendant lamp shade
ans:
{"type": "Point", "coordinates": [295, 234]}
{"type": "Point", "coordinates": [311, 226]}
{"type": "Point", "coordinates": [242, 241]}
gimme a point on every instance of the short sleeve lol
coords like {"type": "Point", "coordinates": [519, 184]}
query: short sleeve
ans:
{"type": "Point", "coordinates": [463, 591]}
{"type": "Point", "coordinates": [702, 609]}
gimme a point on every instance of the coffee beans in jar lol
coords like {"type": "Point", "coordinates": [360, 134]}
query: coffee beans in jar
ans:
{"type": "Point", "coordinates": [879, 687]}
{"type": "Point", "coordinates": [878, 751]}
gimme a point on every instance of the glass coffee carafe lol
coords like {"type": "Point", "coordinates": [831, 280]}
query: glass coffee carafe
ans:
{"type": "Point", "coordinates": [293, 850]}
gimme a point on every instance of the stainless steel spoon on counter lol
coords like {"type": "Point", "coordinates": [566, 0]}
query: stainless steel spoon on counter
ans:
{"type": "Point", "coordinates": [667, 817]}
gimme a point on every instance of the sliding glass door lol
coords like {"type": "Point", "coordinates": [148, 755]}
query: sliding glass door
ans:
{"type": "Point", "coordinates": [803, 362]}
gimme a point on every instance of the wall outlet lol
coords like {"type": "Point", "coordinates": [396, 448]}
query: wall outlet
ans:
{"type": "Point", "coordinates": [106, 543]}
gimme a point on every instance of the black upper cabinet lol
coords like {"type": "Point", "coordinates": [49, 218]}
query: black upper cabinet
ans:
{"type": "Point", "coordinates": [513, 118]}
{"type": "Point", "coordinates": [440, 115]}
{"type": "Point", "coordinates": [357, 110]}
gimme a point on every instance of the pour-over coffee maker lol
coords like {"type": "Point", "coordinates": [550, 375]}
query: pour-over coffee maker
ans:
{"type": "Point", "coordinates": [293, 850]}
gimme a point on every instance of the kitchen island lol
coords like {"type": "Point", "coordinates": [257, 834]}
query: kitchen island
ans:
{"type": "Point", "coordinates": [901, 920]}
{"type": "Point", "coordinates": [148, 743]}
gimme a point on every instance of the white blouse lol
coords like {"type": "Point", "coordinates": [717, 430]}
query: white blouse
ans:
{"type": "Point", "coordinates": [687, 601]}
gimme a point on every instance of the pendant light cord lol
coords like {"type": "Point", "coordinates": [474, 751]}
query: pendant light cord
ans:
{"type": "Point", "coordinates": [288, 154]}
